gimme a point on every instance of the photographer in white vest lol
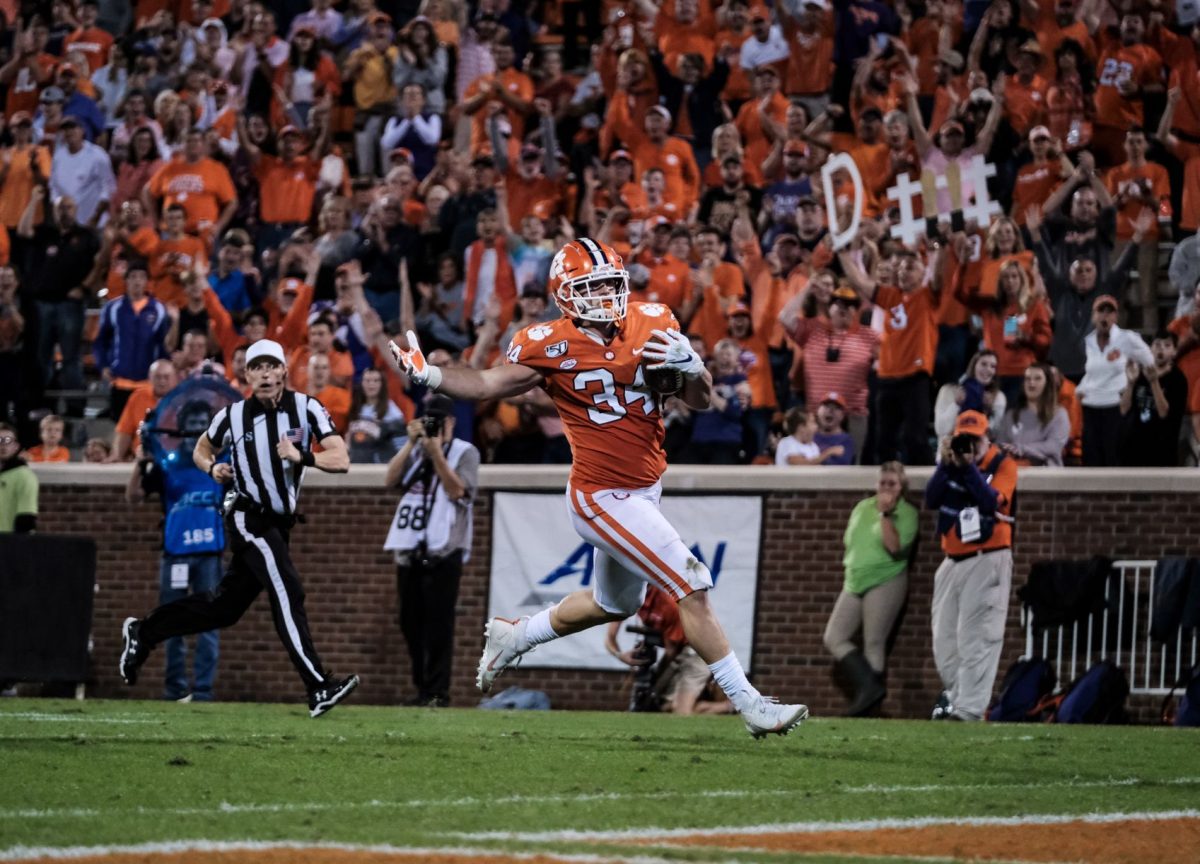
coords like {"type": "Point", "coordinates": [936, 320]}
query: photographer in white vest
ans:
{"type": "Point", "coordinates": [437, 475]}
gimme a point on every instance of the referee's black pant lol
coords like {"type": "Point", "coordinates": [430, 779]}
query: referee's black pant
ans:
{"type": "Point", "coordinates": [261, 559]}
{"type": "Point", "coordinates": [428, 592]}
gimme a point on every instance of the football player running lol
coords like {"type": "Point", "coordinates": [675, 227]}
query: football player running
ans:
{"type": "Point", "coordinates": [590, 363]}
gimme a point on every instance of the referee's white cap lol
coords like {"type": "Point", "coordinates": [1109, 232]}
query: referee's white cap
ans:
{"type": "Point", "coordinates": [265, 348]}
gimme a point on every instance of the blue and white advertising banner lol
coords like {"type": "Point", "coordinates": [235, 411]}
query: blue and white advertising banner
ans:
{"type": "Point", "coordinates": [537, 559]}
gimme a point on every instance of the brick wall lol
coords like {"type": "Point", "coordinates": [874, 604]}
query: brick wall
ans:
{"type": "Point", "coordinates": [352, 601]}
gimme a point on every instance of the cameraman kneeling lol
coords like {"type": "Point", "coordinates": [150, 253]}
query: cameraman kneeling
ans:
{"type": "Point", "coordinates": [431, 535]}
{"type": "Point", "coordinates": [680, 677]}
{"type": "Point", "coordinates": [973, 490]}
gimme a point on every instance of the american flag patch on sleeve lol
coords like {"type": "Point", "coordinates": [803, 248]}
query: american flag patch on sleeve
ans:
{"type": "Point", "coordinates": [294, 435]}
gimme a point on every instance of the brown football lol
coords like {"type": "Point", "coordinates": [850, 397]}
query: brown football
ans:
{"type": "Point", "coordinates": [664, 382]}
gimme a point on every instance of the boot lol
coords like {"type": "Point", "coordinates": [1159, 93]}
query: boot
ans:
{"type": "Point", "coordinates": [868, 688]}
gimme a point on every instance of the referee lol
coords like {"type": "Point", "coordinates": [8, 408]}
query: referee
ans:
{"type": "Point", "coordinates": [270, 436]}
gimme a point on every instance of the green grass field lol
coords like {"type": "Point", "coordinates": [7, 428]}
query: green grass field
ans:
{"type": "Point", "coordinates": [95, 773]}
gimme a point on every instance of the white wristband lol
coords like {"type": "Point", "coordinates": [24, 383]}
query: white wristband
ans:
{"type": "Point", "coordinates": [434, 381]}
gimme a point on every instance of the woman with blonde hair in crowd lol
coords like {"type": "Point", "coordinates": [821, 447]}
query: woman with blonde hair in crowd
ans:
{"type": "Point", "coordinates": [1016, 326]}
{"type": "Point", "coordinates": [1037, 428]}
{"type": "Point", "coordinates": [1003, 244]}
{"type": "Point", "coordinates": [727, 141]}
{"type": "Point", "coordinates": [878, 540]}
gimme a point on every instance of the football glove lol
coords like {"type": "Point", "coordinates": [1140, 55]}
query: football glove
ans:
{"type": "Point", "coordinates": [673, 350]}
{"type": "Point", "coordinates": [413, 364]}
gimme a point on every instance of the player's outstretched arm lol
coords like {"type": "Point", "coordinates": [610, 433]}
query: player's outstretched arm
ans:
{"type": "Point", "coordinates": [460, 383]}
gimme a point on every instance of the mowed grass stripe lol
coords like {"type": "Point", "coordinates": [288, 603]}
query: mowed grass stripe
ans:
{"type": "Point", "coordinates": [278, 775]}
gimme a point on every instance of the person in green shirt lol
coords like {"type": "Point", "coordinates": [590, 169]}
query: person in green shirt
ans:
{"type": "Point", "coordinates": [18, 486]}
{"type": "Point", "coordinates": [878, 539]}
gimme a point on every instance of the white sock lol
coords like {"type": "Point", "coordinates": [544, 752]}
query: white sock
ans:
{"type": "Point", "coordinates": [537, 631]}
{"type": "Point", "coordinates": [732, 679]}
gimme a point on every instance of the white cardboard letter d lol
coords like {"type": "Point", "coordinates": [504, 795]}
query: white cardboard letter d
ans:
{"type": "Point", "coordinates": [832, 164]}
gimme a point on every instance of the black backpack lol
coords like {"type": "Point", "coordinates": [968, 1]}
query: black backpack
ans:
{"type": "Point", "coordinates": [1098, 696]}
{"type": "Point", "coordinates": [1023, 692]}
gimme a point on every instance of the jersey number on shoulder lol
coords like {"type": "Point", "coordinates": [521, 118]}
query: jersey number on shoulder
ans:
{"type": "Point", "coordinates": [609, 407]}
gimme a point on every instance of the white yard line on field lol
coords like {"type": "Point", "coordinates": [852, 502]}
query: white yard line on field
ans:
{"type": "Point", "coordinates": [34, 853]}
{"type": "Point", "coordinates": [74, 718]}
{"type": "Point", "coordinates": [582, 798]}
{"type": "Point", "coordinates": [651, 833]}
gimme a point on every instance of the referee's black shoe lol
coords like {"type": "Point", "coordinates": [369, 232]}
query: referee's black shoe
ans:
{"type": "Point", "coordinates": [330, 694]}
{"type": "Point", "coordinates": [133, 652]}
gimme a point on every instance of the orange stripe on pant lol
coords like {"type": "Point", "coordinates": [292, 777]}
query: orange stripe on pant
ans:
{"type": "Point", "coordinates": [593, 521]}
{"type": "Point", "coordinates": [632, 540]}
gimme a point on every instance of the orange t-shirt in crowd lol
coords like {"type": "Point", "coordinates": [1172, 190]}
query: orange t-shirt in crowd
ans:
{"type": "Point", "coordinates": [141, 400]}
{"type": "Point", "coordinates": [675, 158]}
{"type": "Point", "coordinates": [749, 124]}
{"type": "Point", "coordinates": [709, 320]}
{"type": "Point", "coordinates": [539, 196]}
{"type": "Point", "coordinates": [611, 420]}
{"type": "Point", "coordinates": [1035, 183]}
{"type": "Point", "coordinates": [1033, 326]}
{"type": "Point", "coordinates": [1189, 155]}
{"type": "Point", "coordinates": [874, 163]}
{"type": "Point", "coordinates": [989, 272]}
{"type": "Point", "coordinates": [1025, 104]}
{"type": "Point", "coordinates": [737, 85]}
{"type": "Point", "coordinates": [141, 244]}
{"type": "Point", "coordinates": [1188, 362]}
{"type": "Point", "coordinates": [337, 402]}
{"type": "Point", "coordinates": [680, 40]}
{"type": "Point", "coordinates": [1003, 481]}
{"type": "Point", "coordinates": [202, 188]}
{"type": "Point", "coordinates": [168, 261]}
{"type": "Point", "coordinates": [1050, 36]}
{"type": "Point", "coordinates": [286, 188]}
{"type": "Point", "coordinates": [962, 277]}
{"type": "Point", "coordinates": [910, 334]}
{"type": "Point", "coordinates": [341, 368]}
{"type": "Point", "coordinates": [670, 280]}
{"type": "Point", "coordinates": [93, 42]}
{"type": "Point", "coordinates": [1186, 76]}
{"type": "Point", "coordinates": [19, 181]}
{"type": "Point", "coordinates": [41, 454]}
{"type": "Point", "coordinates": [23, 92]}
{"type": "Point", "coordinates": [517, 83]}
{"type": "Point", "coordinates": [810, 62]}
{"type": "Point", "coordinates": [1068, 400]}
{"type": "Point", "coordinates": [1118, 63]}
{"type": "Point", "coordinates": [751, 173]}
{"type": "Point", "coordinates": [756, 364]}
{"type": "Point", "coordinates": [1120, 177]}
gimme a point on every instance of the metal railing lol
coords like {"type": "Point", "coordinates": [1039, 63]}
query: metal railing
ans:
{"type": "Point", "coordinates": [1120, 632]}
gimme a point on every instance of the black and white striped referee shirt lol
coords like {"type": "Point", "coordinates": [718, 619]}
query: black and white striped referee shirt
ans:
{"type": "Point", "coordinates": [254, 430]}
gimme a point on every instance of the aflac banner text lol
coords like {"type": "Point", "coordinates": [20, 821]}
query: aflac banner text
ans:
{"type": "Point", "coordinates": [537, 559]}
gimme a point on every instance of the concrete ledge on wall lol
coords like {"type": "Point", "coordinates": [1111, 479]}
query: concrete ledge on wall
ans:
{"type": "Point", "coordinates": [685, 478]}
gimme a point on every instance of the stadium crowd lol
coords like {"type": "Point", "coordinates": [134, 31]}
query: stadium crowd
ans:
{"type": "Point", "coordinates": [183, 178]}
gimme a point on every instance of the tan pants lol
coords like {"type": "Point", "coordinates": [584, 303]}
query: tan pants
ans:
{"type": "Point", "coordinates": [874, 613]}
{"type": "Point", "coordinates": [970, 608]}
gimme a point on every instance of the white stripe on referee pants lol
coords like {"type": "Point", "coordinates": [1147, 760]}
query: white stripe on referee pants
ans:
{"type": "Point", "coordinates": [285, 606]}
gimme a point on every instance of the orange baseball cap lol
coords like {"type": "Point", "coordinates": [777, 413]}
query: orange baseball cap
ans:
{"type": "Point", "coordinates": [836, 398]}
{"type": "Point", "coordinates": [971, 423]}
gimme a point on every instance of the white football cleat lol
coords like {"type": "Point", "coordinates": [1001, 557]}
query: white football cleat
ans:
{"type": "Point", "coordinates": [769, 717]}
{"type": "Point", "coordinates": [500, 637]}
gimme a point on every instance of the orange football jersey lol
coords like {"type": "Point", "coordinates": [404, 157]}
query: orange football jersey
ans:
{"type": "Point", "coordinates": [610, 416]}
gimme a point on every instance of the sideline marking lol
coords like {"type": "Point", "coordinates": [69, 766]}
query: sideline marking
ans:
{"type": "Point", "coordinates": [75, 718]}
{"type": "Point", "coordinates": [33, 853]}
{"type": "Point", "coordinates": [651, 833]}
{"type": "Point", "coordinates": [376, 804]}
